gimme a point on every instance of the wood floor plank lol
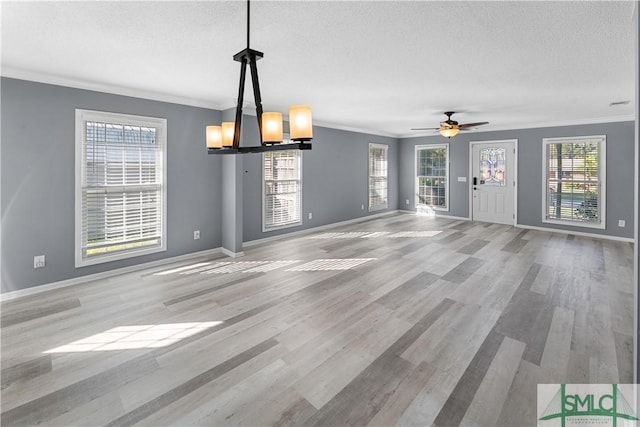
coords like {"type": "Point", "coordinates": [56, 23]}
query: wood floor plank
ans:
{"type": "Point", "coordinates": [519, 409]}
{"type": "Point", "coordinates": [428, 402]}
{"type": "Point", "coordinates": [172, 395]}
{"type": "Point", "coordinates": [454, 346]}
{"type": "Point", "coordinates": [555, 357]}
{"type": "Point", "coordinates": [543, 280]}
{"type": "Point", "coordinates": [488, 400]}
{"type": "Point", "coordinates": [401, 397]}
{"type": "Point", "coordinates": [415, 321]}
{"type": "Point", "coordinates": [359, 401]}
{"type": "Point", "coordinates": [56, 403]}
{"type": "Point", "coordinates": [193, 404]}
{"type": "Point", "coordinates": [464, 391]}
{"type": "Point", "coordinates": [231, 406]}
{"type": "Point", "coordinates": [26, 370]}
{"type": "Point", "coordinates": [324, 382]}
{"type": "Point", "coordinates": [285, 408]}
{"type": "Point", "coordinates": [12, 317]}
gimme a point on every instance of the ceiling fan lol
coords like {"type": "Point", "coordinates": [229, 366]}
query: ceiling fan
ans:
{"type": "Point", "coordinates": [450, 128]}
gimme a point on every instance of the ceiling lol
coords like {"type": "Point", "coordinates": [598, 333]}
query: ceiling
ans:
{"type": "Point", "coordinates": [381, 67]}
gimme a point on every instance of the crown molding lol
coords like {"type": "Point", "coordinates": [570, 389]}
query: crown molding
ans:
{"type": "Point", "coordinates": [354, 129]}
{"type": "Point", "coordinates": [34, 76]}
{"type": "Point", "coordinates": [21, 74]}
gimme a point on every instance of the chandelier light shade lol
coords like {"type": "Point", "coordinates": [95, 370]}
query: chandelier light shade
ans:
{"type": "Point", "coordinates": [214, 136]}
{"type": "Point", "coordinates": [225, 139]}
{"type": "Point", "coordinates": [272, 128]}
{"type": "Point", "coordinates": [449, 132]}
{"type": "Point", "coordinates": [300, 123]}
{"type": "Point", "coordinates": [228, 129]}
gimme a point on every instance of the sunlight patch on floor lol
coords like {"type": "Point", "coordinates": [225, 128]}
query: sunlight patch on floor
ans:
{"type": "Point", "coordinates": [179, 269]}
{"type": "Point", "coordinates": [414, 234]}
{"type": "Point", "coordinates": [236, 267]}
{"type": "Point", "coordinates": [205, 269]}
{"type": "Point", "coordinates": [274, 265]}
{"type": "Point", "coordinates": [338, 235]}
{"type": "Point", "coordinates": [331, 264]}
{"type": "Point", "coordinates": [135, 337]}
{"type": "Point", "coordinates": [228, 267]}
{"type": "Point", "coordinates": [375, 234]}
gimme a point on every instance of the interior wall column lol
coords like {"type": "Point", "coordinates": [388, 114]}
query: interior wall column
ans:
{"type": "Point", "coordinates": [232, 214]}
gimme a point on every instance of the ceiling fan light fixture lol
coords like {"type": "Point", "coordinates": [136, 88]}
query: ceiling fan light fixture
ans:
{"type": "Point", "coordinates": [449, 132]}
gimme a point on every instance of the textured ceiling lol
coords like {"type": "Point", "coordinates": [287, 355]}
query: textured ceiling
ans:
{"type": "Point", "coordinates": [382, 67]}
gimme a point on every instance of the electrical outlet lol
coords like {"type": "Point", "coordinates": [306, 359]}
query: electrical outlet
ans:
{"type": "Point", "coordinates": [196, 234]}
{"type": "Point", "coordinates": [310, 215]}
{"type": "Point", "coordinates": [406, 202]}
{"type": "Point", "coordinates": [362, 207]}
{"type": "Point", "coordinates": [622, 223]}
{"type": "Point", "coordinates": [38, 261]}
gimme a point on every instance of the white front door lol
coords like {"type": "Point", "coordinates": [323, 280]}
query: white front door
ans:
{"type": "Point", "coordinates": [493, 186]}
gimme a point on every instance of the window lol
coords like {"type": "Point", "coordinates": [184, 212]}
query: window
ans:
{"type": "Point", "coordinates": [282, 189]}
{"type": "Point", "coordinates": [119, 190]}
{"type": "Point", "coordinates": [432, 176]}
{"type": "Point", "coordinates": [378, 177]}
{"type": "Point", "coordinates": [574, 181]}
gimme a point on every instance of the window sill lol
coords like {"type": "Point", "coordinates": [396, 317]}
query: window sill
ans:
{"type": "Point", "coordinates": [85, 262]}
{"type": "Point", "coordinates": [378, 208]}
{"type": "Point", "coordinates": [435, 208]}
{"type": "Point", "coordinates": [598, 226]}
{"type": "Point", "coordinates": [281, 227]}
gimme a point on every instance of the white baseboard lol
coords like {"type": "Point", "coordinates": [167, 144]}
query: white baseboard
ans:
{"type": "Point", "coordinates": [7, 296]}
{"type": "Point", "coordinates": [316, 229]}
{"type": "Point", "coordinates": [577, 233]}
{"type": "Point", "coordinates": [228, 253]}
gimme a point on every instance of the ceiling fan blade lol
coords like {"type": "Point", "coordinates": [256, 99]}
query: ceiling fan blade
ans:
{"type": "Point", "coordinates": [472, 125]}
{"type": "Point", "coordinates": [425, 128]}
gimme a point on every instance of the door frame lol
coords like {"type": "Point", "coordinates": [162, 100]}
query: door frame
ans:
{"type": "Point", "coordinates": [515, 174]}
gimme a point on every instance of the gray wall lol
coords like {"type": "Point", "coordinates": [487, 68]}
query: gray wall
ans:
{"type": "Point", "coordinates": [37, 205]}
{"type": "Point", "coordinates": [620, 185]}
{"type": "Point", "coordinates": [334, 180]}
{"type": "Point", "coordinates": [37, 178]}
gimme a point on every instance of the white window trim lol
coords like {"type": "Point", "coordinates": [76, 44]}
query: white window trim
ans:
{"type": "Point", "coordinates": [602, 174]}
{"type": "Point", "coordinates": [264, 205]}
{"type": "Point", "coordinates": [416, 182]}
{"type": "Point", "coordinates": [160, 124]}
{"type": "Point", "coordinates": [385, 205]}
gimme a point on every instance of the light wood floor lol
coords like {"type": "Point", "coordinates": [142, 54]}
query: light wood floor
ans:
{"type": "Point", "coordinates": [402, 320]}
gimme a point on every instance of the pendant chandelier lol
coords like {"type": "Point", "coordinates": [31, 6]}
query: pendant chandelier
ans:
{"type": "Point", "coordinates": [225, 139]}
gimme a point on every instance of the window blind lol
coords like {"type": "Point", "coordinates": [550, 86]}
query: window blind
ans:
{"type": "Point", "coordinates": [122, 206]}
{"type": "Point", "coordinates": [378, 177]}
{"type": "Point", "coordinates": [574, 179]}
{"type": "Point", "coordinates": [432, 175]}
{"type": "Point", "coordinates": [282, 189]}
